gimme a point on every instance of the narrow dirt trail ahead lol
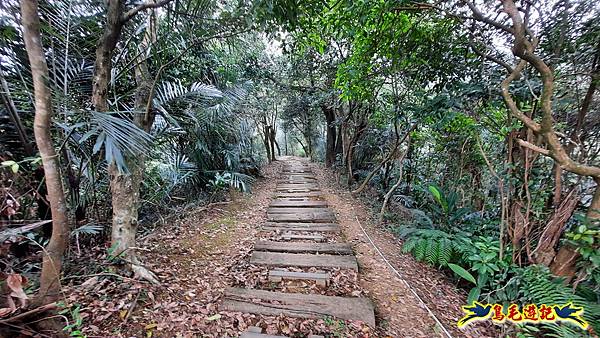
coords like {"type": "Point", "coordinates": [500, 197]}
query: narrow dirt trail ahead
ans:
{"type": "Point", "coordinates": [288, 260]}
{"type": "Point", "coordinates": [313, 233]}
{"type": "Point", "coordinates": [302, 246]}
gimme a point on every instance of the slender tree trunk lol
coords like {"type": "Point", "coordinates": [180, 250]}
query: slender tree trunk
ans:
{"type": "Point", "coordinates": [278, 148]}
{"type": "Point", "coordinates": [306, 150]}
{"type": "Point", "coordinates": [266, 142]}
{"type": "Point", "coordinates": [13, 114]}
{"type": "Point", "coordinates": [385, 160]}
{"type": "Point", "coordinates": [42, 124]}
{"type": "Point", "coordinates": [104, 53]}
{"type": "Point", "coordinates": [350, 172]}
{"type": "Point", "coordinates": [330, 140]}
{"type": "Point", "coordinates": [272, 142]}
{"type": "Point", "coordinates": [390, 192]}
{"type": "Point", "coordinates": [286, 142]}
{"type": "Point", "coordinates": [125, 187]}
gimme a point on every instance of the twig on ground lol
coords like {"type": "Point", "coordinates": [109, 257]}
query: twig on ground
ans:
{"type": "Point", "coordinates": [43, 308]}
{"type": "Point", "coordinates": [132, 307]}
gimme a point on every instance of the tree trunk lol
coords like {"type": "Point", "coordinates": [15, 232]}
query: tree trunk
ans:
{"type": "Point", "coordinates": [564, 263]}
{"type": "Point", "coordinates": [339, 147]}
{"type": "Point", "coordinates": [125, 187]}
{"type": "Point", "coordinates": [390, 192]}
{"type": "Point", "coordinates": [59, 241]}
{"type": "Point", "coordinates": [385, 160]}
{"type": "Point", "coordinates": [272, 142]}
{"type": "Point", "coordinates": [544, 253]}
{"type": "Point", "coordinates": [331, 137]}
{"type": "Point", "coordinates": [350, 172]}
{"type": "Point", "coordinates": [104, 52]}
{"type": "Point", "coordinates": [266, 142]}
{"type": "Point", "coordinates": [286, 142]}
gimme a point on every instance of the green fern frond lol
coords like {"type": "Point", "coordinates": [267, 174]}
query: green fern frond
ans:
{"type": "Point", "coordinates": [420, 250]}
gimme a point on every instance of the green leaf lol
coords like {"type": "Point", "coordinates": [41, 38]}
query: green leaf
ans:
{"type": "Point", "coordinates": [462, 272]}
{"type": "Point", "coordinates": [8, 163]}
{"type": "Point", "coordinates": [435, 192]}
{"type": "Point", "coordinates": [473, 295]}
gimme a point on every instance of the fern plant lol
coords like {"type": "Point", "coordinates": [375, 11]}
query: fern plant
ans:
{"type": "Point", "coordinates": [538, 286]}
{"type": "Point", "coordinates": [433, 246]}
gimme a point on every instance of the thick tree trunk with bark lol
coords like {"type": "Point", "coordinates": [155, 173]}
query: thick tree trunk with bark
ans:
{"type": "Point", "coordinates": [564, 263]}
{"type": "Point", "coordinates": [42, 124]}
{"type": "Point", "coordinates": [545, 253]}
{"type": "Point", "coordinates": [125, 187]}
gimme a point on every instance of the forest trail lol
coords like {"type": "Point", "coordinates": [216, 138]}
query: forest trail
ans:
{"type": "Point", "coordinates": [312, 230]}
{"type": "Point", "coordinates": [302, 243]}
{"type": "Point", "coordinates": [285, 260]}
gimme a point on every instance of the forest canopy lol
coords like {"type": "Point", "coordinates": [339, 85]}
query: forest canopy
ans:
{"type": "Point", "coordinates": [470, 128]}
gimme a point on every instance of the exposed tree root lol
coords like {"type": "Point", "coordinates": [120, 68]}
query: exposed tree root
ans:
{"type": "Point", "coordinates": [141, 272]}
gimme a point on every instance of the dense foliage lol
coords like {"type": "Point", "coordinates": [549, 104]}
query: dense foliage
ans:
{"type": "Point", "coordinates": [471, 128]}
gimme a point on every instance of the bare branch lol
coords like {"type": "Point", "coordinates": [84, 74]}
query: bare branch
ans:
{"type": "Point", "coordinates": [480, 17]}
{"type": "Point", "coordinates": [146, 5]}
{"type": "Point", "coordinates": [533, 147]}
{"type": "Point", "coordinates": [511, 104]}
{"type": "Point", "coordinates": [490, 57]}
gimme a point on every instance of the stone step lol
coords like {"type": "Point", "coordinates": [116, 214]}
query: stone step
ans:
{"type": "Point", "coordinates": [321, 278]}
{"type": "Point", "coordinates": [289, 236]}
{"type": "Point", "coordinates": [298, 305]}
{"type": "Point", "coordinates": [296, 210]}
{"type": "Point", "coordinates": [297, 178]}
{"type": "Point", "coordinates": [319, 198]}
{"type": "Point", "coordinates": [279, 259]}
{"type": "Point", "coordinates": [283, 194]}
{"type": "Point", "coordinates": [298, 247]}
{"type": "Point", "coordinates": [297, 203]}
{"type": "Point", "coordinates": [314, 217]}
{"type": "Point", "coordinates": [317, 227]}
{"type": "Point", "coordinates": [298, 189]}
{"type": "Point", "coordinates": [299, 224]}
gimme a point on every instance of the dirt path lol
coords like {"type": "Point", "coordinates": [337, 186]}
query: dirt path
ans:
{"type": "Point", "coordinates": [209, 250]}
{"type": "Point", "coordinates": [400, 314]}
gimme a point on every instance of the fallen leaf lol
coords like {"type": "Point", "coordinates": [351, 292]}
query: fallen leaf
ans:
{"type": "Point", "coordinates": [15, 283]}
{"type": "Point", "coordinates": [215, 317]}
{"type": "Point", "coordinates": [151, 326]}
{"type": "Point", "coordinates": [6, 311]}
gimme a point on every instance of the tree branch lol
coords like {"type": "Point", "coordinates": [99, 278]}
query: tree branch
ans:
{"type": "Point", "coordinates": [533, 147]}
{"type": "Point", "coordinates": [511, 104]}
{"type": "Point", "coordinates": [480, 17]}
{"type": "Point", "coordinates": [146, 5]}
{"type": "Point", "coordinates": [490, 57]}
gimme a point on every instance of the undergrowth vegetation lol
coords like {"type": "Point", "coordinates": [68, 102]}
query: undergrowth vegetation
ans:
{"type": "Point", "coordinates": [472, 127]}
